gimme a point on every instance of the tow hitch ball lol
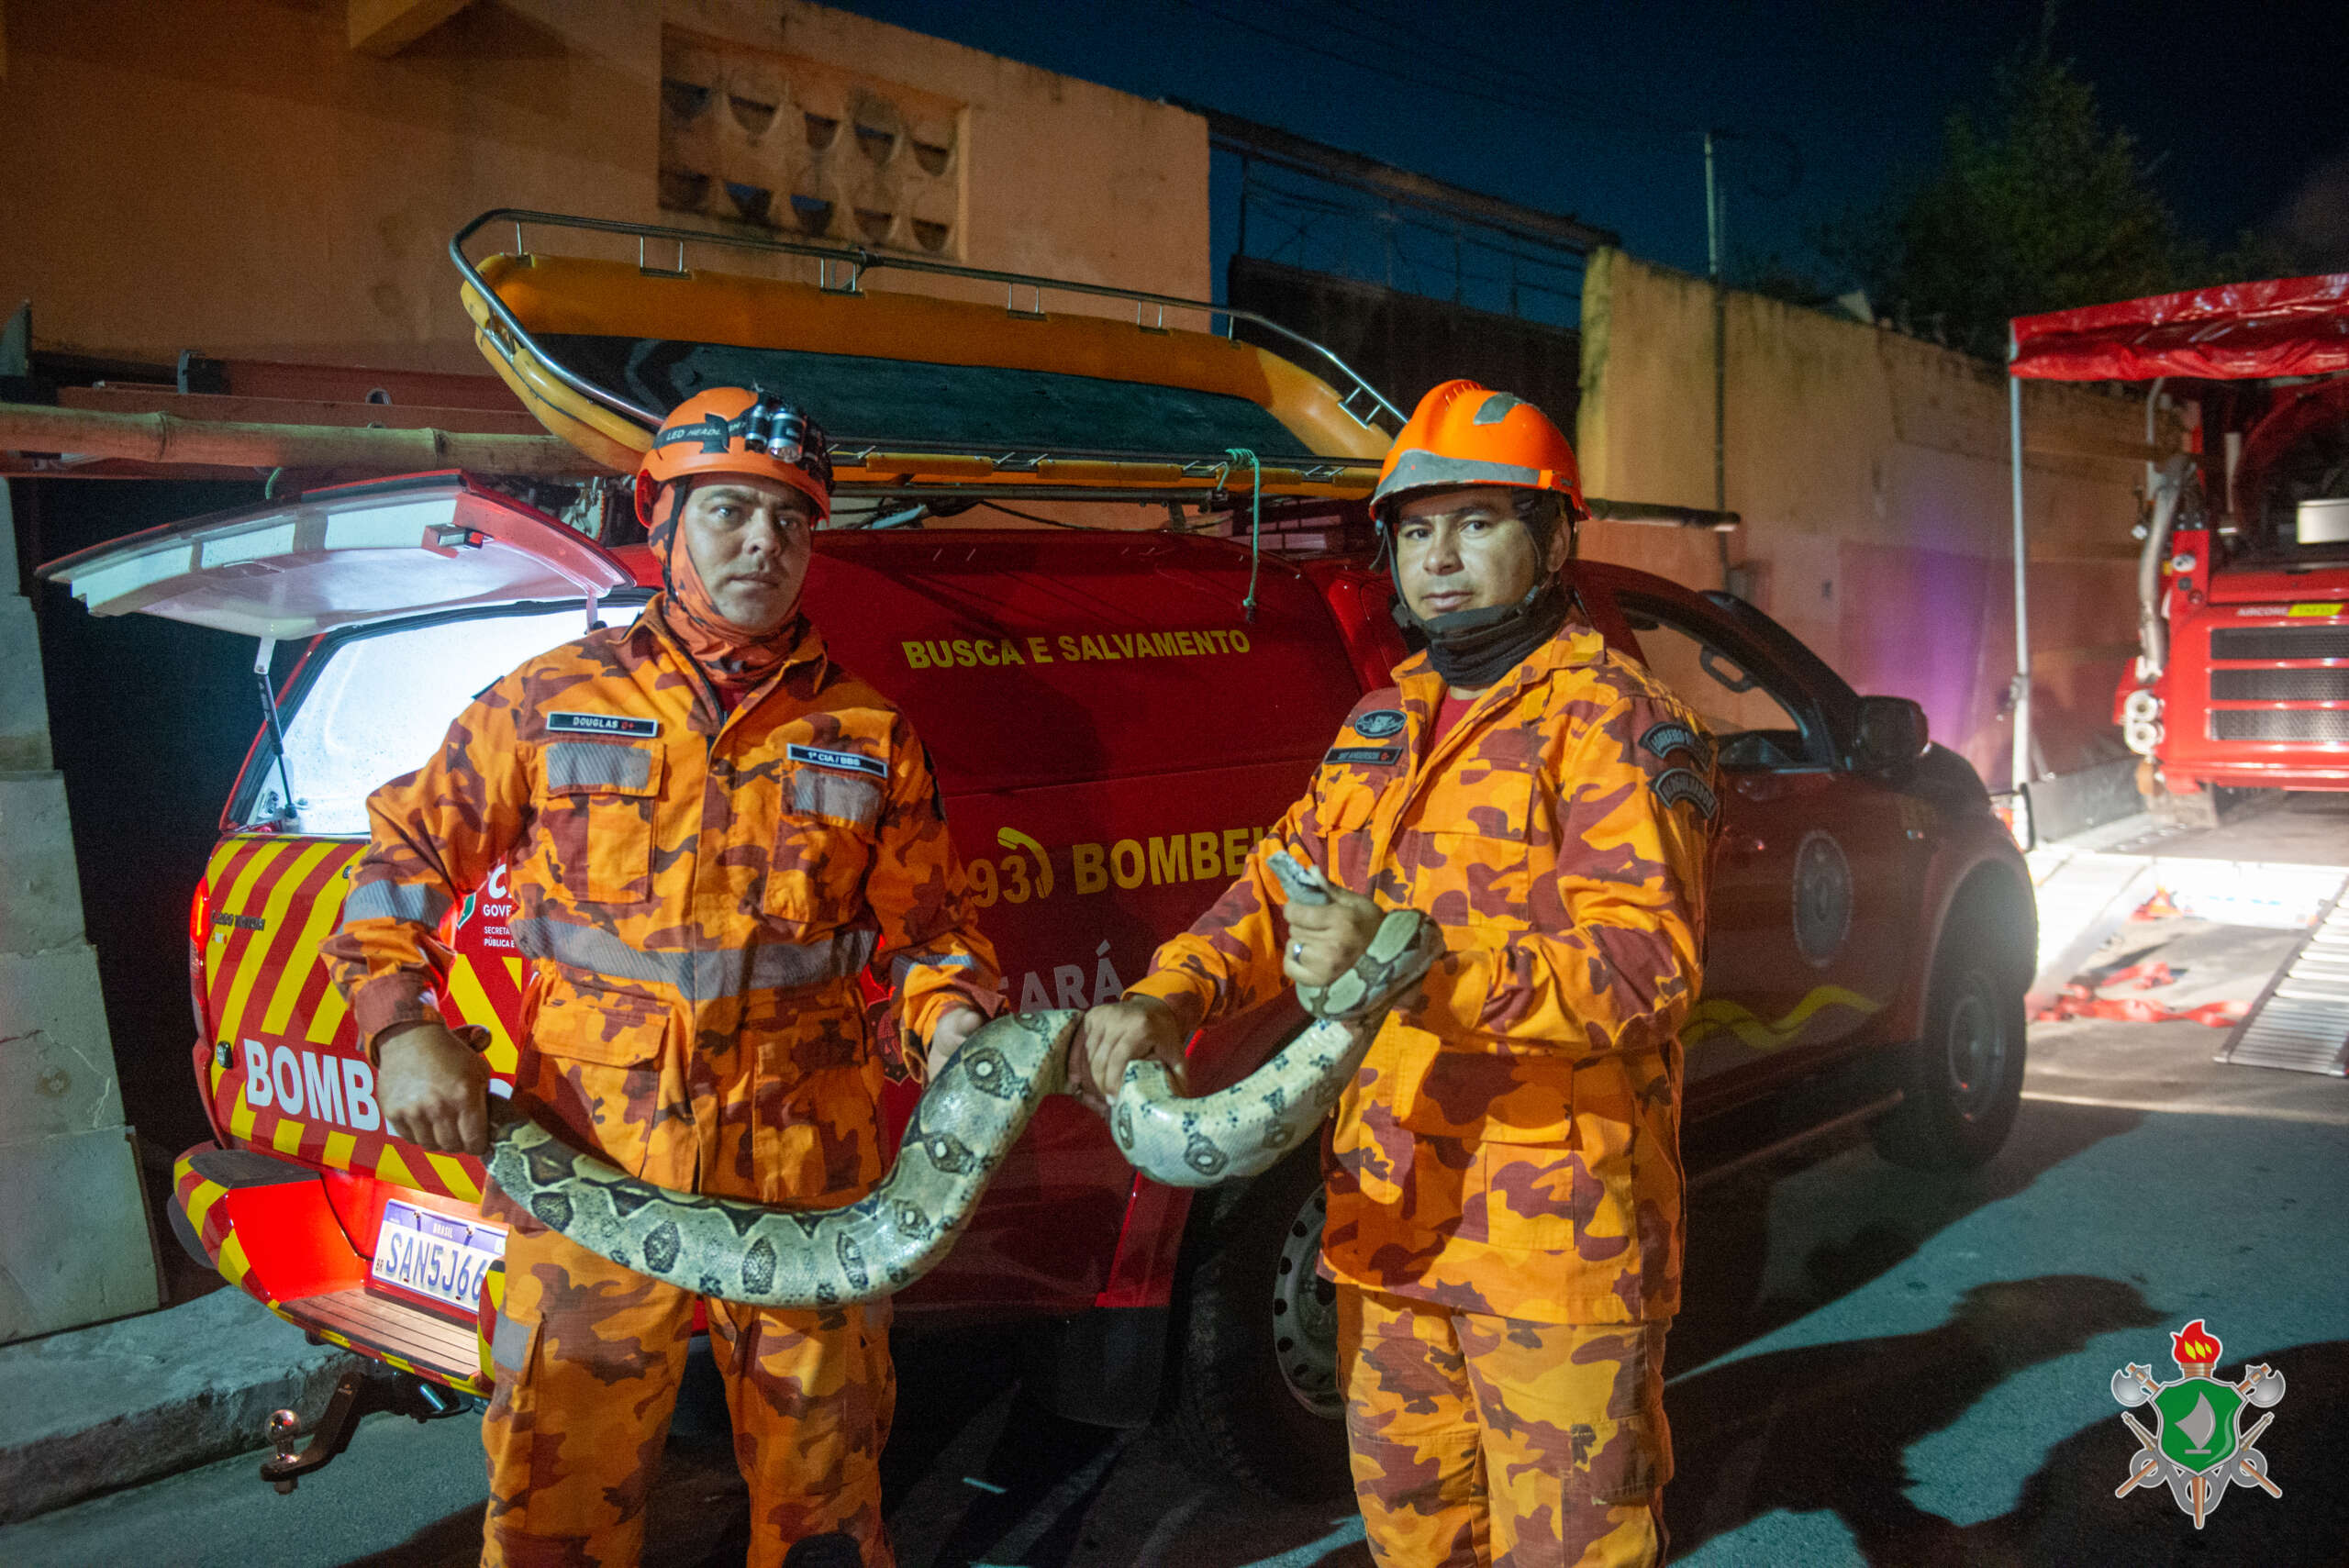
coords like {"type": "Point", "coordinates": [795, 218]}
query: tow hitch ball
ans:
{"type": "Point", "coordinates": [360, 1393]}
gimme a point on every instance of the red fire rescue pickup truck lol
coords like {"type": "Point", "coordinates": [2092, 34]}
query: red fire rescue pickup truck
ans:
{"type": "Point", "coordinates": [1117, 713]}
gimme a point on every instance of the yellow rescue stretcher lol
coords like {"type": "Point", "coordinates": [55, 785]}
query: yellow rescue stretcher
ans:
{"type": "Point", "coordinates": [922, 394]}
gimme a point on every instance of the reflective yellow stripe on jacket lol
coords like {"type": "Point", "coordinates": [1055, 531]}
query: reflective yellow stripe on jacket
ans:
{"type": "Point", "coordinates": [697, 893]}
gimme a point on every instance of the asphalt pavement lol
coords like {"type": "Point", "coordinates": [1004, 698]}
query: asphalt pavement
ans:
{"type": "Point", "coordinates": [1873, 1366]}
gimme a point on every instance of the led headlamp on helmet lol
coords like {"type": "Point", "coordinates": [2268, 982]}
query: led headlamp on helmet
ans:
{"type": "Point", "coordinates": [734, 429]}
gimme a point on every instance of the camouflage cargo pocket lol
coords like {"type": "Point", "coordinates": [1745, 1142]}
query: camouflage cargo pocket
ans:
{"type": "Point", "coordinates": [823, 847]}
{"type": "Point", "coordinates": [600, 797]}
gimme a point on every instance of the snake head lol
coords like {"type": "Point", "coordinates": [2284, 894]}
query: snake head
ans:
{"type": "Point", "coordinates": [1302, 883]}
{"type": "Point", "coordinates": [1404, 948]}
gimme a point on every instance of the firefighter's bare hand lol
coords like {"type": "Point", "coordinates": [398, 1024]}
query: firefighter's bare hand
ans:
{"type": "Point", "coordinates": [957, 1026]}
{"type": "Point", "coordinates": [1140, 1029]}
{"type": "Point", "coordinates": [1326, 940]}
{"type": "Point", "coordinates": [434, 1091]}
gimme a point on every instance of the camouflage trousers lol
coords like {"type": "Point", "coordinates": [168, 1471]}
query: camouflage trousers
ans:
{"type": "Point", "coordinates": [1488, 1442]}
{"type": "Point", "coordinates": [588, 1358]}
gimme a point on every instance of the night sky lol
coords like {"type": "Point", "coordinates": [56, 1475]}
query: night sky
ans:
{"type": "Point", "coordinates": [1594, 109]}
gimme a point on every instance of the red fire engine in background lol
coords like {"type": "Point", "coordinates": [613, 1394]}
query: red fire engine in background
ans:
{"type": "Point", "coordinates": [2242, 678]}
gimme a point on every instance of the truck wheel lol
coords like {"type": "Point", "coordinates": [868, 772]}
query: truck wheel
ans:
{"type": "Point", "coordinates": [1256, 1398]}
{"type": "Point", "coordinates": [1964, 1079]}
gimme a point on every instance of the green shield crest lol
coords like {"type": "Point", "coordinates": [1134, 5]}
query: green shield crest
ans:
{"type": "Point", "coordinates": [2199, 1423]}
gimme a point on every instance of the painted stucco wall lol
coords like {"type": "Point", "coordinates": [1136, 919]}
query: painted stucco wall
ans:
{"type": "Point", "coordinates": [1871, 469]}
{"type": "Point", "coordinates": [228, 175]}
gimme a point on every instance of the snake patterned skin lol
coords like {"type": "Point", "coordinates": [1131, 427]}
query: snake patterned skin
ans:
{"type": "Point", "coordinates": [1243, 1130]}
{"type": "Point", "coordinates": [969, 1118]}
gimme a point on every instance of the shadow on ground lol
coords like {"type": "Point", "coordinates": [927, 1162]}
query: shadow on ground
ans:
{"type": "Point", "coordinates": [2068, 1512]}
{"type": "Point", "coordinates": [1774, 1244]}
{"type": "Point", "coordinates": [1826, 1429]}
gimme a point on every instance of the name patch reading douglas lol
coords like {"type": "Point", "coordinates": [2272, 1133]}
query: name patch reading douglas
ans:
{"type": "Point", "coordinates": [602, 724]}
{"type": "Point", "coordinates": [842, 762]}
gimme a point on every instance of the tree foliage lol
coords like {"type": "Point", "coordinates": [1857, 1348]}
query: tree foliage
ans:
{"type": "Point", "coordinates": [2037, 205]}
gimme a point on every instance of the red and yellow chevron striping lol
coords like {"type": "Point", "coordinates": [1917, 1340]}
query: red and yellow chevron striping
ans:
{"type": "Point", "coordinates": [292, 1083]}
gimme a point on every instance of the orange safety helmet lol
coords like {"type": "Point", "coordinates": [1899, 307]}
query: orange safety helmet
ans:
{"type": "Point", "coordinates": [734, 429]}
{"type": "Point", "coordinates": [1463, 434]}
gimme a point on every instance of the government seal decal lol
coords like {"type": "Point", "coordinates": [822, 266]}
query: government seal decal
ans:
{"type": "Point", "coordinates": [1823, 895]}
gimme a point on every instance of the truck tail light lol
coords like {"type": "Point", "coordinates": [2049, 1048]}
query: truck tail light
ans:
{"type": "Point", "coordinates": [207, 1052]}
{"type": "Point", "coordinates": [199, 927]}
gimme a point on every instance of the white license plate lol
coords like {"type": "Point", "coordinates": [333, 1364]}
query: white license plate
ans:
{"type": "Point", "coordinates": [421, 1252]}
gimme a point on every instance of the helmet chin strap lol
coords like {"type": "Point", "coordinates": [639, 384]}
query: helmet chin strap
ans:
{"type": "Point", "coordinates": [1472, 648]}
{"type": "Point", "coordinates": [676, 526]}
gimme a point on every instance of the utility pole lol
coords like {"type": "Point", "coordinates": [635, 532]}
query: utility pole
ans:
{"type": "Point", "coordinates": [2022, 770]}
{"type": "Point", "coordinates": [1721, 352]}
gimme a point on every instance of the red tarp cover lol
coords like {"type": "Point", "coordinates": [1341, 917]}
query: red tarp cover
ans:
{"type": "Point", "coordinates": [2234, 332]}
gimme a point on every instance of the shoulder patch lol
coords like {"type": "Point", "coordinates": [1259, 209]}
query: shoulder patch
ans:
{"type": "Point", "coordinates": [1678, 784]}
{"type": "Point", "coordinates": [840, 762]}
{"type": "Point", "coordinates": [1663, 740]}
{"type": "Point", "coordinates": [1378, 724]}
{"type": "Point", "coordinates": [602, 724]}
{"type": "Point", "coordinates": [1363, 756]}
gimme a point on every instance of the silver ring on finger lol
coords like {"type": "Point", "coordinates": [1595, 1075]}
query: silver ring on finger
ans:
{"type": "Point", "coordinates": [1296, 951]}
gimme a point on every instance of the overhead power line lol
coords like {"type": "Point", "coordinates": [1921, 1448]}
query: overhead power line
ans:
{"type": "Point", "coordinates": [1387, 35]}
{"type": "Point", "coordinates": [1530, 92]}
{"type": "Point", "coordinates": [1461, 86]}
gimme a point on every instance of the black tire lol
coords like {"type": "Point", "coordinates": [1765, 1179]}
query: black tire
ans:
{"type": "Point", "coordinates": [1964, 1079]}
{"type": "Point", "coordinates": [1256, 1399]}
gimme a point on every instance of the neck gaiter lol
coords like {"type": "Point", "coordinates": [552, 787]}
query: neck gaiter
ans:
{"type": "Point", "coordinates": [1472, 648]}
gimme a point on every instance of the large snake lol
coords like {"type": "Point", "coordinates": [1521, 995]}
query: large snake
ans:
{"type": "Point", "coordinates": [966, 1121]}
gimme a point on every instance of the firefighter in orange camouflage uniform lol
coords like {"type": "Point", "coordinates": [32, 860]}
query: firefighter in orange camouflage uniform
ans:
{"type": "Point", "coordinates": [711, 828]}
{"type": "Point", "coordinates": [1504, 1179]}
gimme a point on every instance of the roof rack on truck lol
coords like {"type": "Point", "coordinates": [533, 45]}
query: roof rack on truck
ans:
{"type": "Point", "coordinates": [935, 393]}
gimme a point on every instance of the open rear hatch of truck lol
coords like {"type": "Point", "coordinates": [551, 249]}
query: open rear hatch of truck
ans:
{"type": "Point", "coordinates": [309, 1204]}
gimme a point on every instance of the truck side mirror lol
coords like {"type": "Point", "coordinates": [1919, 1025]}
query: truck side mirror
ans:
{"type": "Point", "coordinates": [1892, 732]}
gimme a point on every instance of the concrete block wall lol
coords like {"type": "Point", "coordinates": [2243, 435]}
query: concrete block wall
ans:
{"type": "Point", "coordinates": [1871, 471]}
{"type": "Point", "coordinates": [160, 158]}
{"type": "Point", "coordinates": [76, 1245]}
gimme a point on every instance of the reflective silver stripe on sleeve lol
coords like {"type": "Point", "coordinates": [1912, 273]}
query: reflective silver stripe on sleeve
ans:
{"type": "Point", "coordinates": [416, 901]}
{"type": "Point", "coordinates": [835, 795]}
{"type": "Point", "coordinates": [702, 975]}
{"type": "Point", "coordinates": [509, 1345]}
{"type": "Point", "coordinates": [591, 764]}
{"type": "Point", "coordinates": [906, 963]}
